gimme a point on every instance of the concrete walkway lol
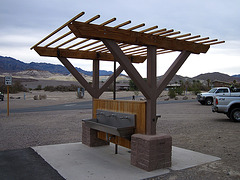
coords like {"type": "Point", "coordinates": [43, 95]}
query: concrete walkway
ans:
{"type": "Point", "coordinates": [76, 161]}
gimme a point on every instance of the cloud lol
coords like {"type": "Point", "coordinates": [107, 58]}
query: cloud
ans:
{"type": "Point", "coordinates": [24, 23]}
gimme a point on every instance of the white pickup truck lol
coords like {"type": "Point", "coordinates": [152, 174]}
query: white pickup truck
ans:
{"type": "Point", "coordinates": [207, 98]}
{"type": "Point", "coordinates": [228, 105]}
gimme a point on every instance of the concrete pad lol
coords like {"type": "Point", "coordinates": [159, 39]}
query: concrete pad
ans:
{"type": "Point", "coordinates": [183, 158]}
{"type": "Point", "coordinates": [77, 161]}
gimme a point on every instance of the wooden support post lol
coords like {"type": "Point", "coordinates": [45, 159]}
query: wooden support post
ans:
{"type": "Point", "coordinates": [152, 82]}
{"type": "Point", "coordinates": [7, 100]}
{"type": "Point", "coordinates": [95, 76]}
{"type": "Point", "coordinates": [114, 79]}
{"type": "Point", "coordinates": [95, 80]}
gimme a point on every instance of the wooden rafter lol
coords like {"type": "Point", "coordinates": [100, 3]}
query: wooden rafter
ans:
{"type": "Point", "coordinates": [84, 32]}
{"type": "Point", "coordinates": [93, 31]}
{"type": "Point", "coordinates": [53, 52]}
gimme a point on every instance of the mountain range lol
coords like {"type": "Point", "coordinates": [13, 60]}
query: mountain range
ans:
{"type": "Point", "coordinates": [11, 65]}
{"type": "Point", "coordinates": [8, 64]}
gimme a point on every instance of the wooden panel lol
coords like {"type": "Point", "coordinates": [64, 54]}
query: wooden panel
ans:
{"type": "Point", "coordinates": [68, 53]}
{"type": "Point", "coordinates": [131, 37]}
{"type": "Point", "coordinates": [133, 107]}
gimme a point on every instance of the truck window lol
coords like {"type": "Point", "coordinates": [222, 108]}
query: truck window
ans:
{"type": "Point", "coordinates": [212, 90]}
{"type": "Point", "coordinates": [222, 91]}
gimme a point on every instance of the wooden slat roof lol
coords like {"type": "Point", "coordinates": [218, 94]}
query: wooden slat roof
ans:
{"type": "Point", "coordinates": [82, 40]}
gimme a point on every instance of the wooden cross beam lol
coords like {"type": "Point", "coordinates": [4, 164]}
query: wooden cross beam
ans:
{"type": "Point", "coordinates": [167, 77]}
{"type": "Point", "coordinates": [93, 31]}
{"type": "Point", "coordinates": [95, 91]}
{"type": "Point", "coordinates": [150, 89]}
{"type": "Point", "coordinates": [128, 67]}
{"type": "Point", "coordinates": [70, 53]}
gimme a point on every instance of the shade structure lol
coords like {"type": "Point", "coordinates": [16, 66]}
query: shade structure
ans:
{"type": "Point", "coordinates": [125, 44]}
{"type": "Point", "coordinates": [82, 40]}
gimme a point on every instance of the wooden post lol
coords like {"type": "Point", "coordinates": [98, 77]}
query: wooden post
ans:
{"type": "Point", "coordinates": [95, 77]}
{"type": "Point", "coordinates": [95, 80]}
{"type": "Point", "coordinates": [8, 100]}
{"type": "Point", "coordinates": [152, 83]}
{"type": "Point", "coordinates": [114, 80]}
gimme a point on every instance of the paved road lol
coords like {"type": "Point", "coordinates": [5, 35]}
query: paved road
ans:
{"type": "Point", "coordinates": [77, 106]}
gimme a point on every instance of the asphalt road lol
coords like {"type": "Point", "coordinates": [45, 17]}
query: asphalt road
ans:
{"type": "Point", "coordinates": [77, 106]}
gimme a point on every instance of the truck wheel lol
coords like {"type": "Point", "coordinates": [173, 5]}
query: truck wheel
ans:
{"type": "Point", "coordinates": [235, 114]}
{"type": "Point", "coordinates": [208, 101]}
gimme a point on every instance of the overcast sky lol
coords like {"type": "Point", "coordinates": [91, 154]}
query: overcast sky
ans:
{"type": "Point", "coordinates": [25, 22]}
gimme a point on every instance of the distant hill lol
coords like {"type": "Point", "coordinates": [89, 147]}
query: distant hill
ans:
{"type": "Point", "coordinates": [11, 65]}
{"type": "Point", "coordinates": [217, 76]}
{"type": "Point", "coordinates": [237, 75]}
{"type": "Point", "coordinates": [204, 77]}
{"type": "Point", "coordinates": [8, 64]}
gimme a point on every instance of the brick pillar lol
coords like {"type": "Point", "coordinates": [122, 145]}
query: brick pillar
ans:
{"type": "Point", "coordinates": [89, 137]}
{"type": "Point", "coordinates": [151, 152]}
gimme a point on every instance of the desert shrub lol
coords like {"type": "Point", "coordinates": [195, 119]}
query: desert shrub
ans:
{"type": "Point", "coordinates": [172, 93]}
{"type": "Point", "coordinates": [61, 88]}
{"type": "Point", "coordinates": [15, 88]}
{"type": "Point", "coordinates": [179, 90]}
{"type": "Point", "coordinates": [49, 88]}
{"type": "Point", "coordinates": [196, 90]}
{"type": "Point", "coordinates": [39, 87]}
{"type": "Point", "coordinates": [132, 86]}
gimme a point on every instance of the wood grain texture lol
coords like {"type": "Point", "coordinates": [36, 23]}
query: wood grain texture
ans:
{"type": "Point", "coordinates": [69, 53]}
{"type": "Point", "coordinates": [94, 31]}
{"type": "Point", "coordinates": [134, 107]}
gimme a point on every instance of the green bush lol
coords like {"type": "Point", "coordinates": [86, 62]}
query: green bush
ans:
{"type": "Point", "coordinates": [179, 90]}
{"type": "Point", "coordinates": [172, 93]}
{"type": "Point", "coordinates": [132, 86]}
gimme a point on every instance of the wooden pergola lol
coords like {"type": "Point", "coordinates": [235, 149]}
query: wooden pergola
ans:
{"type": "Point", "coordinates": [86, 40]}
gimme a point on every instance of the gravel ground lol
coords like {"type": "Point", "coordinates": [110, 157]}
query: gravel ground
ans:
{"type": "Point", "coordinates": [191, 125]}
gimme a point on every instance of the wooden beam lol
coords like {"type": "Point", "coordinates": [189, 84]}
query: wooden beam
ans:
{"type": "Point", "coordinates": [69, 53]}
{"type": "Point", "coordinates": [95, 75]}
{"type": "Point", "coordinates": [58, 29]}
{"type": "Point", "coordinates": [152, 83]}
{"type": "Point", "coordinates": [167, 77]}
{"type": "Point", "coordinates": [128, 66]}
{"type": "Point", "coordinates": [78, 76]}
{"type": "Point", "coordinates": [93, 31]}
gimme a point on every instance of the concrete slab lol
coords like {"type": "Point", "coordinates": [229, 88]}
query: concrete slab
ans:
{"type": "Point", "coordinates": [183, 158]}
{"type": "Point", "coordinates": [77, 161]}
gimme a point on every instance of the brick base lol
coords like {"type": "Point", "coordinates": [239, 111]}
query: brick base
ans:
{"type": "Point", "coordinates": [89, 137]}
{"type": "Point", "coordinates": [151, 152]}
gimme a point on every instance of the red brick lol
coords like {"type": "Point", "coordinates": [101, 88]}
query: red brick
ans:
{"type": "Point", "coordinates": [150, 152]}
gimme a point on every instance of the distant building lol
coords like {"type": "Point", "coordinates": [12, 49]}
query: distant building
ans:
{"type": "Point", "coordinates": [171, 86]}
{"type": "Point", "coordinates": [217, 83]}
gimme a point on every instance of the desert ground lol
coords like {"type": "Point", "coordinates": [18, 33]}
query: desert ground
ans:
{"type": "Point", "coordinates": [191, 125]}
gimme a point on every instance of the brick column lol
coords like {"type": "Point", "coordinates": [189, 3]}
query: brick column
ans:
{"type": "Point", "coordinates": [151, 152]}
{"type": "Point", "coordinates": [89, 137]}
